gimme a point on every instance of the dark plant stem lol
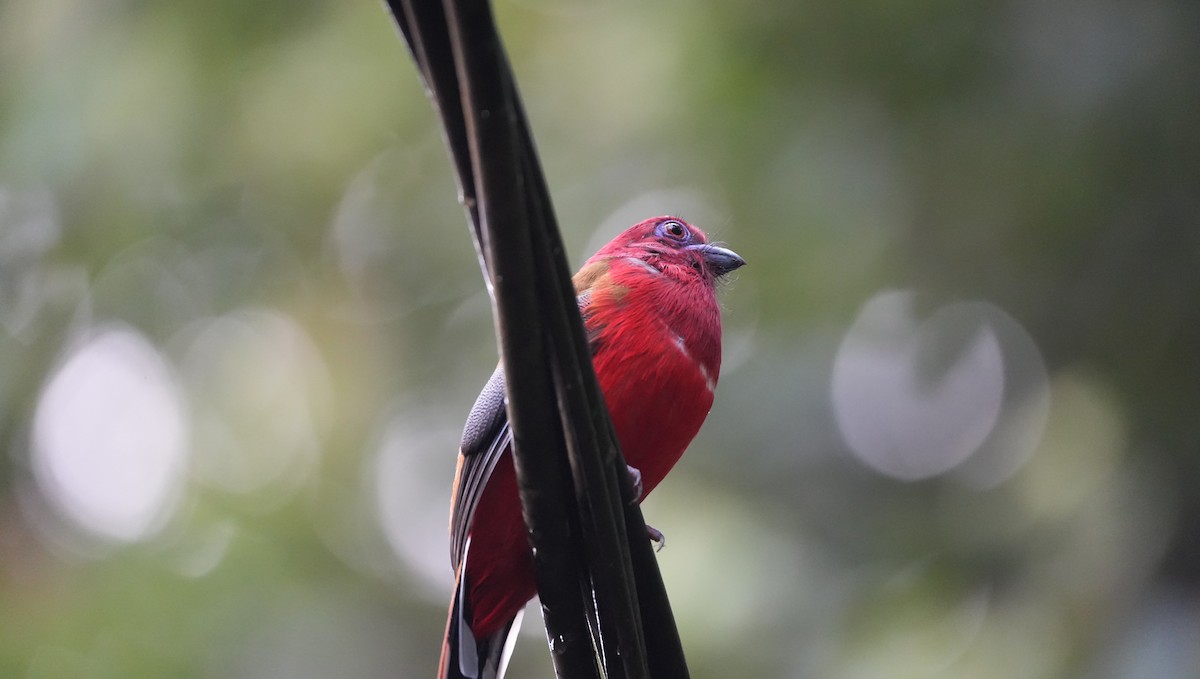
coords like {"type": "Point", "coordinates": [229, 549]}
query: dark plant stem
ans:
{"type": "Point", "coordinates": [596, 586]}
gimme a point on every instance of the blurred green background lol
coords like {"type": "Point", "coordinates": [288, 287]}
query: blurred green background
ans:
{"type": "Point", "coordinates": [241, 322]}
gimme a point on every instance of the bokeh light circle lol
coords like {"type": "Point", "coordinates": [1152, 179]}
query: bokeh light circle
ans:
{"type": "Point", "coordinates": [109, 437]}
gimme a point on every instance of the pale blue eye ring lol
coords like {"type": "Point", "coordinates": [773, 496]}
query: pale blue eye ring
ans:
{"type": "Point", "coordinates": [675, 230]}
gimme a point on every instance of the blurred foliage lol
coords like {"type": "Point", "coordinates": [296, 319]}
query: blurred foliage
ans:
{"type": "Point", "coordinates": [241, 320]}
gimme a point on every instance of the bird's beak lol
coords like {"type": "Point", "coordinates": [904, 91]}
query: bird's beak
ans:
{"type": "Point", "coordinates": [719, 260]}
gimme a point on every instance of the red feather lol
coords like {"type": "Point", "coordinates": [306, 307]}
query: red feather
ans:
{"type": "Point", "coordinates": [651, 313]}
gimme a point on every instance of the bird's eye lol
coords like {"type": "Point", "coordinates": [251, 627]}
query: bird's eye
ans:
{"type": "Point", "coordinates": [674, 229]}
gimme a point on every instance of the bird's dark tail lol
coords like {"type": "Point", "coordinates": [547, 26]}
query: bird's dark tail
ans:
{"type": "Point", "coordinates": [464, 656]}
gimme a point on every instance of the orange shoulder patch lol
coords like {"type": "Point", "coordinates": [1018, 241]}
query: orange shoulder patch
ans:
{"type": "Point", "coordinates": [588, 275]}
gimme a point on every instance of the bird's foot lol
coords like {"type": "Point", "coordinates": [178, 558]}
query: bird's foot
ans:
{"type": "Point", "coordinates": [635, 478]}
{"type": "Point", "coordinates": [656, 536]}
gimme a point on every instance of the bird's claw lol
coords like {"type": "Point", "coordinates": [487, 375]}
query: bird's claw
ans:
{"type": "Point", "coordinates": [635, 478]}
{"type": "Point", "coordinates": [656, 536]}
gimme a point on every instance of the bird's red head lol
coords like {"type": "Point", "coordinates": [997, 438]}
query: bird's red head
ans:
{"type": "Point", "coordinates": [672, 247]}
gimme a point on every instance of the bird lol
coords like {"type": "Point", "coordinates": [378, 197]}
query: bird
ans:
{"type": "Point", "coordinates": [649, 305]}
